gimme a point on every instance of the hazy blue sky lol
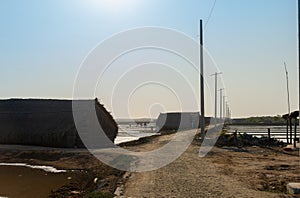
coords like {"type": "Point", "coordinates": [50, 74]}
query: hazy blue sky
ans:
{"type": "Point", "coordinates": [44, 42]}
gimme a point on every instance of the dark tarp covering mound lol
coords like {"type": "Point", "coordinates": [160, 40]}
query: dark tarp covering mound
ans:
{"type": "Point", "coordinates": [44, 122]}
{"type": "Point", "coordinates": [179, 121]}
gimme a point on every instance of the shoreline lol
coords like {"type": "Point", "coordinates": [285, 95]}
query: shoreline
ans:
{"type": "Point", "coordinates": [49, 169]}
{"type": "Point", "coordinates": [79, 162]}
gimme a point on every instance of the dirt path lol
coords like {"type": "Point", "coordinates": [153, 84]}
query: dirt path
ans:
{"type": "Point", "coordinates": [223, 173]}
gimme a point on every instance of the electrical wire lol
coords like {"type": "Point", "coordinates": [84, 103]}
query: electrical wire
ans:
{"type": "Point", "coordinates": [210, 13]}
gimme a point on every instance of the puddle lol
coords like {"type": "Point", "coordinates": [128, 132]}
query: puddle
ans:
{"type": "Point", "coordinates": [22, 180]}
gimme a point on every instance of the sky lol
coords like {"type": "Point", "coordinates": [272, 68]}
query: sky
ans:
{"type": "Point", "coordinates": [44, 43]}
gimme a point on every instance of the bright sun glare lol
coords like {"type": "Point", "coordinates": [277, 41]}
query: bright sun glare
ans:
{"type": "Point", "coordinates": [114, 5]}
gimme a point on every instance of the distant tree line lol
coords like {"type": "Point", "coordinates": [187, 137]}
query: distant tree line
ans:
{"type": "Point", "coordinates": [277, 120]}
{"type": "Point", "coordinates": [266, 120]}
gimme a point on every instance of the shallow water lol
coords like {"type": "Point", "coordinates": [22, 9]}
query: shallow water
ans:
{"type": "Point", "coordinates": [278, 132]}
{"type": "Point", "coordinates": [18, 181]}
{"type": "Point", "coordinates": [129, 133]}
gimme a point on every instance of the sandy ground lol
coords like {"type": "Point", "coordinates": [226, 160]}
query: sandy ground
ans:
{"type": "Point", "coordinates": [224, 172]}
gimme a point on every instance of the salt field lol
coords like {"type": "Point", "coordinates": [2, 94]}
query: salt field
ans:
{"type": "Point", "coordinates": [130, 132]}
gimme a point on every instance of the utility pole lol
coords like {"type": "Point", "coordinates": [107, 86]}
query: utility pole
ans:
{"type": "Point", "coordinates": [288, 101]}
{"type": "Point", "coordinates": [226, 111]}
{"type": "Point", "coordinates": [202, 116]}
{"type": "Point", "coordinates": [216, 94]}
{"type": "Point", "coordinates": [299, 54]}
{"type": "Point", "coordinates": [224, 107]}
{"type": "Point", "coordinates": [287, 88]}
{"type": "Point", "coordinates": [221, 103]}
{"type": "Point", "coordinates": [228, 114]}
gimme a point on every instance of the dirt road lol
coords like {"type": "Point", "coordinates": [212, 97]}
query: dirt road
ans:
{"type": "Point", "coordinates": [225, 172]}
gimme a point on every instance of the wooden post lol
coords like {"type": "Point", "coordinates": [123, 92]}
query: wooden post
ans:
{"type": "Point", "coordinates": [295, 131]}
{"type": "Point", "coordinates": [235, 133]}
{"type": "Point", "coordinates": [287, 130]}
{"type": "Point", "coordinates": [291, 130]}
{"type": "Point", "coordinates": [269, 133]}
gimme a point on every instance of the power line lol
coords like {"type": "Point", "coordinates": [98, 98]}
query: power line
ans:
{"type": "Point", "coordinates": [210, 13]}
